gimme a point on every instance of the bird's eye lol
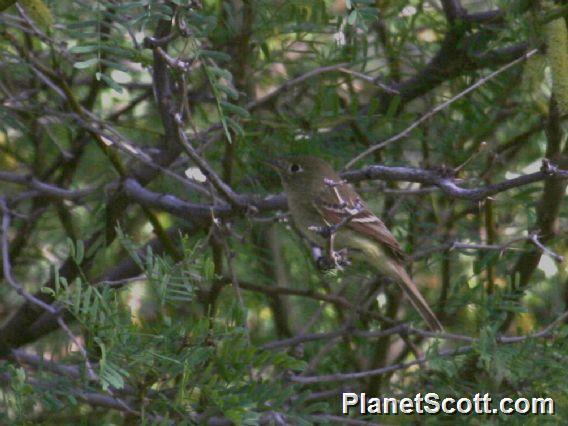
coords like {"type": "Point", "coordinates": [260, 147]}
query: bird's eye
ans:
{"type": "Point", "coordinates": [294, 168]}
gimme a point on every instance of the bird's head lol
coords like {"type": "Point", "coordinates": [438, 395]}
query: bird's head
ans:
{"type": "Point", "coordinates": [303, 173]}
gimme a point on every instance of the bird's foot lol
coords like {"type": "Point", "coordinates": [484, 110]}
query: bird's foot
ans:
{"type": "Point", "coordinates": [325, 231]}
{"type": "Point", "coordinates": [335, 260]}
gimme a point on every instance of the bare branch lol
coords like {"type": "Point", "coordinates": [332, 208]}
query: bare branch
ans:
{"type": "Point", "coordinates": [372, 80]}
{"type": "Point", "coordinates": [45, 188]}
{"type": "Point", "coordinates": [544, 333]}
{"type": "Point", "coordinates": [448, 185]}
{"type": "Point", "coordinates": [439, 108]}
{"type": "Point", "coordinates": [7, 268]}
{"type": "Point", "coordinates": [92, 398]}
{"type": "Point", "coordinates": [206, 169]}
{"type": "Point", "coordinates": [291, 83]}
{"type": "Point", "coordinates": [457, 245]}
{"type": "Point", "coordinates": [453, 10]}
{"type": "Point", "coordinates": [342, 377]}
{"type": "Point", "coordinates": [201, 213]}
{"type": "Point", "coordinates": [533, 238]}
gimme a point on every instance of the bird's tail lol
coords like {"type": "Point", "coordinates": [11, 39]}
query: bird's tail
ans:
{"type": "Point", "coordinates": [417, 300]}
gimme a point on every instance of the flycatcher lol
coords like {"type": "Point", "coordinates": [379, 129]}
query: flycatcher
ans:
{"type": "Point", "coordinates": [320, 200]}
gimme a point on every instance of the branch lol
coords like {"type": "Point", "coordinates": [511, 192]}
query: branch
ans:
{"type": "Point", "coordinates": [439, 108]}
{"type": "Point", "coordinates": [533, 238]}
{"type": "Point", "coordinates": [92, 398]}
{"type": "Point", "coordinates": [46, 189]}
{"type": "Point", "coordinates": [202, 213]}
{"type": "Point", "coordinates": [7, 267]}
{"type": "Point", "coordinates": [342, 377]}
{"type": "Point", "coordinates": [501, 248]}
{"type": "Point", "coordinates": [291, 83]}
{"type": "Point", "coordinates": [205, 168]}
{"type": "Point", "coordinates": [544, 333]}
{"type": "Point", "coordinates": [549, 207]}
{"type": "Point", "coordinates": [16, 331]}
{"type": "Point", "coordinates": [448, 185]}
{"type": "Point", "coordinates": [116, 277]}
{"type": "Point", "coordinates": [372, 80]}
{"type": "Point", "coordinates": [453, 10]}
{"type": "Point", "coordinates": [53, 310]}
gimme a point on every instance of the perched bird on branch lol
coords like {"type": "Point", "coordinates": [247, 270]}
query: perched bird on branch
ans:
{"type": "Point", "coordinates": [330, 213]}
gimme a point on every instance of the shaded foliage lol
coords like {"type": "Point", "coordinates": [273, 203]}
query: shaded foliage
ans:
{"type": "Point", "coordinates": [149, 266]}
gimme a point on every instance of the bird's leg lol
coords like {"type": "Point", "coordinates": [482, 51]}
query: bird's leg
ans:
{"type": "Point", "coordinates": [335, 259]}
{"type": "Point", "coordinates": [341, 258]}
{"type": "Point", "coordinates": [330, 252]}
{"type": "Point", "coordinates": [332, 259]}
{"type": "Point", "coordinates": [338, 260]}
{"type": "Point", "coordinates": [330, 241]}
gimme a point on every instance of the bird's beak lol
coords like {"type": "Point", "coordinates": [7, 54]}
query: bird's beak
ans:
{"type": "Point", "coordinates": [275, 163]}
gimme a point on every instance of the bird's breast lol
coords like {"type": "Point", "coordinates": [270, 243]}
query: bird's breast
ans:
{"type": "Point", "coordinates": [306, 216]}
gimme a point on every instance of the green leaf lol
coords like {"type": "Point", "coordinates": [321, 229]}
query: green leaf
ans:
{"type": "Point", "coordinates": [48, 290]}
{"type": "Point", "coordinates": [130, 5]}
{"type": "Point", "coordinates": [393, 107]}
{"type": "Point", "coordinates": [116, 65]}
{"type": "Point", "coordinates": [85, 48]}
{"type": "Point", "coordinates": [63, 282]}
{"type": "Point", "coordinates": [265, 50]}
{"type": "Point", "coordinates": [56, 282]}
{"type": "Point", "coordinates": [352, 18]}
{"type": "Point", "coordinates": [111, 377]}
{"type": "Point", "coordinates": [235, 109]}
{"type": "Point", "coordinates": [486, 260]}
{"type": "Point", "coordinates": [220, 72]}
{"type": "Point", "coordinates": [70, 247]}
{"type": "Point", "coordinates": [216, 55]}
{"type": "Point", "coordinates": [109, 81]}
{"type": "Point", "coordinates": [86, 64]}
{"type": "Point", "coordinates": [235, 126]}
{"type": "Point", "coordinates": [228, 90]}
{"type": "Point", "coordinates": [78, 293]}
{"type": "Point", "coordinates": [82, 25]}
{"type": "Point", "coordinates": [93, 310]}
{"type": "Point", "coordinates": [86, 302]}
{"type": "Point", "coordinates": [80, 251]}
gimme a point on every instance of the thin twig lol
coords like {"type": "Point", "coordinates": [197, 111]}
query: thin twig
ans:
{"type": "Point", "coordinates": [290, 83]}
{"type": "Point", "coordinates": [544, 333]}
{"type": "Point", "coordinates": [233, 198]}
{"type": "Point", "coordinates": [369, 79]}
{"type": "Point", "coordinates": [533, 238]}
{"type": "Point", "coordinates": [339, 377]}
{"type": "Point", "coordinates": [7, 267]}
{"type": "Point", "coordinates": [406, 329]}
{"type": "Point", "coordinates": [202, 212]}
{"type": "Point", "coordinates": [45, 189]}
{"type": "Point", "coordinates": [445, 179]}
{"type": "Point", "coordinates": [457, 245]}
{"type": "Point", "coordinates": [439, 108]}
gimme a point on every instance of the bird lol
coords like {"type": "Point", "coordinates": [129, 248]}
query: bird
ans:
{"type": "Point", "coordinates": [328, 211]}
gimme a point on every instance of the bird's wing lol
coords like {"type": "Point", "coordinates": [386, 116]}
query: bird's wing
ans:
{"type": "Point", "coordinates": [339, 202]}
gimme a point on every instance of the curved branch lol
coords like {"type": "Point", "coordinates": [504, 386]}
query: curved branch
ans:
{"type": "Point", "coordinates": [203, 213]}
{"type": "Point", "coordinates": [544, 333]}
{"type": "Point", "coordinates": [448, 184]}
{"type": "Point", "coordinates": [46, 189]}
